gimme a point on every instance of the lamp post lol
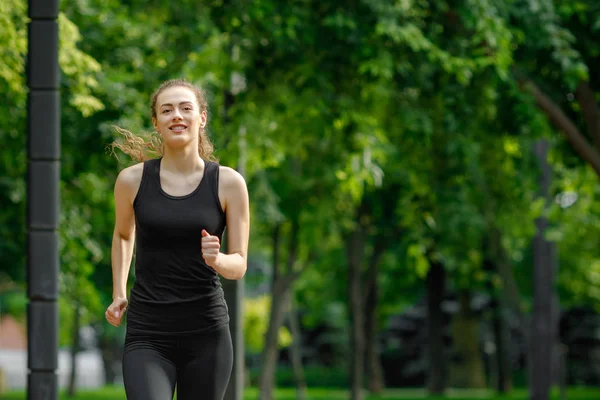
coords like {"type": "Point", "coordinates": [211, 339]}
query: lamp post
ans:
{"type": "Point", "coordinates": [43, 175]}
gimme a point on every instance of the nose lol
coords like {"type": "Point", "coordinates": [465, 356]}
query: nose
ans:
{"type": "Point", "coordinates": [176, 115]}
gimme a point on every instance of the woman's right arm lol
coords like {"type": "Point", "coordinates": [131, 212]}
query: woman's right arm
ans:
{"type": "Point", "coordinates": [126, 187]}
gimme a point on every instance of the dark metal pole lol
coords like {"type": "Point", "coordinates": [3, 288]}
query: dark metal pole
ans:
{"type": "Point", "coordinates": [43, 150]}
{"type": "Point", "coordinates": [234, 296]}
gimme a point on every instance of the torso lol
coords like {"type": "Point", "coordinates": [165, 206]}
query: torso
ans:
{"type": "Point", "coordinates": [174, 291]}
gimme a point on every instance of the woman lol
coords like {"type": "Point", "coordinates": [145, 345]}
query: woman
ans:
{"type": "Point", "coordinates": [175, 208]}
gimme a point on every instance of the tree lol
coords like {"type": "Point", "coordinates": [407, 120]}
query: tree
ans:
{"type": "Point", "coordinates": [562, 39]}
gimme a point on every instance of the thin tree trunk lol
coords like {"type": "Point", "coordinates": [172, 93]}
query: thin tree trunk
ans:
{"type": "Point", "coordinates": [74, 350]}
{"type": "Point", "coordinates": [280, 299]}
{"type": "Point", "coordinates": [503, 378]}
{"type": "Point", "coordinates": [374, 368]}
{"type": "Point", "coordinates": [296, 351]}
{"type": "Point", "coordinates": [511, 294]}
{"type": "Point", "coordinates": [355, 249]}
{"type": "Point", "coordinates": [503, 382]}
{"type": "Point", "coordinates": [586, 97]}
{"type": "Point", "coordinates": [543, 329]}
{"type": "Point", "coordinates": [436, 283]}
{"type": "Point", "coordinates": [467, 366]}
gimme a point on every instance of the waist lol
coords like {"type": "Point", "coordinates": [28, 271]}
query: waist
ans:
{"type": "Point", "coordinates": [151, 317]}
{"type": "Point", "coordinates": [174, 278]}
{"type": "Point", "coordinates": [167, 297]}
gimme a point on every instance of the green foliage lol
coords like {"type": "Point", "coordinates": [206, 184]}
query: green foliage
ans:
{"type": "Point", "coordinates": [78, 250]}
{"type": "Point", "coordinates": [541, 29]}
{"type": "Point", "coordinates": [256, 322]}
{"type": "Point", "coordinates": [14, 36]}
{"type": "Point", "coordinates": [13, 303]}
{"type": "Point", "coordinates": [79, 69]}
{"type": "Point", "coordinates": [411, 107]}
{"type": "Point", "coordinates": [575, 217]}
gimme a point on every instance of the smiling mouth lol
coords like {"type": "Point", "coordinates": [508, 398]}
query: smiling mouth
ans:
{"type": "Point", "coordinates": [178, 128]}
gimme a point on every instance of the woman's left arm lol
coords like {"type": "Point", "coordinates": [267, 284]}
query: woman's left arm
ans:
{"type": "Point", "coordinates": [234, 195]}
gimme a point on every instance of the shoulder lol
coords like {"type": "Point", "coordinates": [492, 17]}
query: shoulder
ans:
{"type": "Point", "coordinates": [129, 179]}
{"type": "Point", "coordinates": [131, 175]}
{"type": "Point", "coordinates": [232, 189]}
{"type": "Point", "coordinates": [230, 179]}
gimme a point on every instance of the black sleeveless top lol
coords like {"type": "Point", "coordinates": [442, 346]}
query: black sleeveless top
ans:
{"type": "Point", "coordinates": [174, 291]}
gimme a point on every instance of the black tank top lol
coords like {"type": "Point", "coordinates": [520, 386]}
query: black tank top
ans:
{"type": "Point", "coordinates": [174, 291]}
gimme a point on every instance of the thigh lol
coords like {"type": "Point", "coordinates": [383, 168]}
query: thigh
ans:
{"type": "Point", "coordinates": [148, 373]}
{"type": "Point", "coordinates": [206, 366]}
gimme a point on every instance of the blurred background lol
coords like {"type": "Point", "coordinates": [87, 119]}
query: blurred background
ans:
{"type": "Point", "coordinates": [423, 175]}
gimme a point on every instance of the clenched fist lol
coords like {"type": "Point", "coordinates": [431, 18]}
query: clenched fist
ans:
{"type": "Point", "coordinates": [211, 248]}
{"type": "Point", "coordinates": [114, 313]}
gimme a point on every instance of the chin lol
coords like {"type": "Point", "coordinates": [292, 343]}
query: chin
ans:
{"type": "Point", "coordinates": [178, 142]}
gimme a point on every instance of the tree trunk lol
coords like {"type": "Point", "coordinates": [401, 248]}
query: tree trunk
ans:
{"type": "Point", "coordinates": [501, 374]}
{"type": "Point", "coordinates": [511, 295]}
{"type": "Point", "coordinates": [280, 299]}
{"type": "Point", "coordinates": [296, 352]}
{"type": "Point", "coordinates": [467, 366]}
{"type": "Point", "coordinates": [355, 250]}
{"type": "Point", "coordinates": [74, 350]}
{"type": "Point", "coordinates": [543, 332]}
{"type": "Point", "coordinates": [503, 381]}
{"type": "Point", "coordinates": [374, 369]}
{"type": "Point", "coordinates": [436, 283]}
{"type": "Point", "coordinates": [586, 97]}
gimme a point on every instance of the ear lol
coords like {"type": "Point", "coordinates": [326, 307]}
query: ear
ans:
{"type": "Point", "coordinates": [155, 123]}
{"type": "Point", "coordinates": [203, 119]}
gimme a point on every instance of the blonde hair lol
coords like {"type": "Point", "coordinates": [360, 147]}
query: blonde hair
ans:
{"type": "Point", "coordinates": [142, 147]}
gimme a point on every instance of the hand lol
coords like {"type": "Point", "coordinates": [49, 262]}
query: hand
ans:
{"type": "Point", "coordinates": [114, 312]}
{"type": "Point", "coordinates": [211, 248]}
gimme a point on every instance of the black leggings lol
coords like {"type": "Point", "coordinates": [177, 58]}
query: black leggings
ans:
{"type": "Point", "coordinates": [200, 366]}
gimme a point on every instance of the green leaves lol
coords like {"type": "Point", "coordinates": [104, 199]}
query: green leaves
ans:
{"type": "Point", "coordinates": [256, 323]}
{"type": "Point", "coordinates": [410, 105]}
{"type": "Point", "coordinates": [575, 223]}
{"type": "Point", "coordinates": [13, 35]}
{"type": "Point", "coordinates": [79, 69]}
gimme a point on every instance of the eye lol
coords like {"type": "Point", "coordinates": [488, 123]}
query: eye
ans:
{"type": "Point", "coordinates": [187, 108]}
{"type": "Point", "coordinates": [166, 111]}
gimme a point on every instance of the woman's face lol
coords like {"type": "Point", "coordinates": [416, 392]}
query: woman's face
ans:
{"type": "Point", "coordinates": [178, 117]}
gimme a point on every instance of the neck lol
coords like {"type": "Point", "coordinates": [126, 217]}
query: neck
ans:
{"type": "Point", "coordinates": [185, 160]}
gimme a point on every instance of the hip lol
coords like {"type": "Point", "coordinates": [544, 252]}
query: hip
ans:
{"type": "Point", "coordinates": [173, 347]}
{"type": "Point", "coordinates": [175, 319]}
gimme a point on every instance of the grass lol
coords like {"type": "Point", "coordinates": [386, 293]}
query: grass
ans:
{"type": "Point", "coordinates": [573, 393]}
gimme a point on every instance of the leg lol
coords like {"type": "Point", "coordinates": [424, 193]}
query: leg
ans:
{"type": "Point", "coordinates": [148, 373]}
{"type": "Point", "coordinates": [206, 364]}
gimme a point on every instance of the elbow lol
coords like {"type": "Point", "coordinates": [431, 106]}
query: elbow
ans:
{"type": "Point", "coordinates": [241, 269]}
{"type": "Point", "coordinates": [240, 273]}
{"type": "Point", "coordinates": [125, 236]}
{"type": "Point", "coordinates": [233, 267]}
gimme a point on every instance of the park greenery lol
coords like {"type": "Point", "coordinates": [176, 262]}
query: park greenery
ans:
{"type": "Point", "coordinates": [390, 151]}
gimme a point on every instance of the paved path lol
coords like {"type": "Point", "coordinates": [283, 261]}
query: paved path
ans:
{"type": "Point", "coordinates": [90, 371]}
